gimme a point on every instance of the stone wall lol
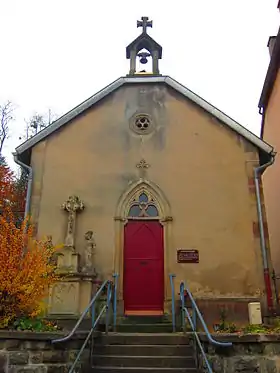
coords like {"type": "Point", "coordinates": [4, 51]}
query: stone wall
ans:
{"type": "Point", "coordinates": [249, 353]}
{"type": "Point", "coordinates": [236, 309]}
{"type": "Point", "coordinates": [29, 352]}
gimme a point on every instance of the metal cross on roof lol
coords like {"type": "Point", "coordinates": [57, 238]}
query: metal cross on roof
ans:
{"type": "Point", "coordinates": [145, 23]}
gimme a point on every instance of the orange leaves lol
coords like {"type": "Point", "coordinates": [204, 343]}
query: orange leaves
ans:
{"type": "Point", "coordinates": [26, 269]}
{"type": "Point", "coordinates": [26, 266]}
{"type": "Point", "coordinates": [12, 191]}
{"type": "Point", "coordinates": [6, 185]}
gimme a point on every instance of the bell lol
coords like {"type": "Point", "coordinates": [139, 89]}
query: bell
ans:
{"type": "Point", "coordinates": [143, 60]}
{"type": "Point", "coordinates": [143, 57]}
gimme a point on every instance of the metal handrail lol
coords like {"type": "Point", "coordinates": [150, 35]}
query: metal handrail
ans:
{"type": "Point", "coordinates": [195, 309]}
{"type": "Point", "coordinates": [94, 322]}
{"type": "Point", "coordinates": [82, 315]}
{"type": "Point", "coordinates": [115, 276]}
{"type": "Point", "coordinates": [192, 321]}
{"type": "Point", "coordinates": [171, 276]}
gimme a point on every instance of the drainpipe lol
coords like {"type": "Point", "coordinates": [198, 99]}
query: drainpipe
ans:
{"type": "Point", "coordinates": [262, 113]}
{"type": "Point", "coordinates": [258, 171]}
{"type": "Point", "coordinates": [29, 184]}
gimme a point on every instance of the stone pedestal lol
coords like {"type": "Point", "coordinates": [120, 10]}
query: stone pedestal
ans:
{"type": "Point", "coordinates": [67, 261]}
{"type": "Point", "coordinates": [71, 295]}
{"type": "Point", "coordinates": [64, 298]}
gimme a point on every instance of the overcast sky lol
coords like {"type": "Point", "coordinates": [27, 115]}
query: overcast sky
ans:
{"type": "Point", "coordinates": [57, 53]}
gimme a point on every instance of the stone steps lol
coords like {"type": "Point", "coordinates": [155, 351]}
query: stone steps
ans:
{"type": "Point", "coordinates": [152, 361]}
{"type": "Point", "coordinates": [142, 353]}
{"type": "Point", "coordinates": [145, 328]}
{"type": "Point", "coordinates": [144, 319]}
{"type": "Point", "coordinates": [142, 370]}
{"type": "Point", "coordinates": [146, 350]}
{"type": "Point", "coordinates": [146, 324]}
{"type": "Point", "coordinates": [144, 339]}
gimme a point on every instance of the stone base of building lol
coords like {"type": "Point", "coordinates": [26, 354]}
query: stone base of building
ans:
{"type": "Point", "coordinates": [235, 310]}
{"type": "Point", "coordinates": [231, 310]}
{"type": "Point", "coordinates": [213, 310]}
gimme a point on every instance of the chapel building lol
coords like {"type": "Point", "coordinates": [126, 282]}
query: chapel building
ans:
{"type": "Point", "coordinates": [145, 179]}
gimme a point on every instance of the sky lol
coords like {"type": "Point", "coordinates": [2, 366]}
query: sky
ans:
{"type": "Point", "coordinates": [57, 53]}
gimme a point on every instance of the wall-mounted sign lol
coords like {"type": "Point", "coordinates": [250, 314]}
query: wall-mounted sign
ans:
{"type": "Point", "coordinates": [187, 256]}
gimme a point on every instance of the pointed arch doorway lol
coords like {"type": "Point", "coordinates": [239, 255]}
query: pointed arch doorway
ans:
{"type": "Point", "coordinates": [141, 257]}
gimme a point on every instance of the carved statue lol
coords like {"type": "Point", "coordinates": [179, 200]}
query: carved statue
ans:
{"type": "Point", "coordinates": [89, 252]}
{"type": "Point", "coordinates": [72, 206]}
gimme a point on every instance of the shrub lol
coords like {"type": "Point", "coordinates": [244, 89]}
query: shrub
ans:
{"type": "Point", "coordinates": [26, 270]}
{"type": "Point", "coordinates": [12, 191]}
{"type": "Point", "coordinates": [7, 186]}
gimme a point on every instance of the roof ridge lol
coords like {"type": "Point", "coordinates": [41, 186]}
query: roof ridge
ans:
{"type": "Point", "coordinates": [64, 119]}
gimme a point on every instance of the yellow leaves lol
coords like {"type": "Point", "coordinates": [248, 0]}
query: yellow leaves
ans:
{"type": "Point", "coordinates": [26, 269]}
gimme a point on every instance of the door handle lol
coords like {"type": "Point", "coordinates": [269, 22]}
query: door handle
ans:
{"type": "Point", "coordinates": [143, 263]}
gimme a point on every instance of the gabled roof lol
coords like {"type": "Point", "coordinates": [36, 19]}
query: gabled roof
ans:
{"type": "Point", "coordinates": [144, 40]}
{"type": "Point", "coordinates": [235, 126]}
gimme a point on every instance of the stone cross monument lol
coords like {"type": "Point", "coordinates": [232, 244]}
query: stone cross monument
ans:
{"type": "Point", "coordinates": [72, 206]}
{"type": "Point", "coordinates": [68, 258]}
{"type": "Point", "coordinates": [72, 293]}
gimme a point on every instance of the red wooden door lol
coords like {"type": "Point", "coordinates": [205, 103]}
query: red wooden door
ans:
{"type": "Point", "coordinates": [143, 266]}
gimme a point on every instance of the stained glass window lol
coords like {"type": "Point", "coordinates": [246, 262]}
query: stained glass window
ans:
{"type": "Point", "coordinates": [134, 211]}
{"type": "Point", "coordinates": [152, 211]}
{"type": "Point", "coordinates": [143, 207]}
{"type": "Point", "coordinates": [143, 198]}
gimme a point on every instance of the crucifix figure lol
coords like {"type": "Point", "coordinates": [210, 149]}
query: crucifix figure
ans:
{"type": "Point", "coordinates": [144, 24]}
{"type": "Point", "coordinates": [72, 206]}
{"type": "Point", "coordinates": [142, 166]}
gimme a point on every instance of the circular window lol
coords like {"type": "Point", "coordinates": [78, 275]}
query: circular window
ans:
{"type": "Point", "coordinates": [141, 124]}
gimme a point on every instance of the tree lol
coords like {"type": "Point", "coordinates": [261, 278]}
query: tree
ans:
{"type": "Point", "coordinates": [34, 124]}
{"type": "Point", "coordinates": [6, 116]}
{"type": "Point", "coordinates": [12, 192]}
{"type": "Point", "coordinates": [37, 122]}
{"type": "Point", "coordinates": [27, 270]}
{"type": "Point", "coordinates": [3, 161]}
{"type": "Point", "coordinates": [7, 192]}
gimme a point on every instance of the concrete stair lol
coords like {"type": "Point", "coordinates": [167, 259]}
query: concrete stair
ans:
{"type": "Point", "coordinates": [142, 353]}
{"type": "Point", "coordinates": [144, 324]}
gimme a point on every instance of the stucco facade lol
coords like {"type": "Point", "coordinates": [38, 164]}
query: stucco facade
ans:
{"type": "Point", "coordinates": [200, 174]}
{"type": "Point", "coordinates": [271, 179]}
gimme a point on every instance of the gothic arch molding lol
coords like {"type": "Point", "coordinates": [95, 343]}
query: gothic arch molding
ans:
{"type": "Point", "coordinates": [151, 189]}
{"type": "Point", "coordinates": [121, 219]}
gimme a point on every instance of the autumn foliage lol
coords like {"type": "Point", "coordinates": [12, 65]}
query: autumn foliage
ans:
{"type": "Point", "coordinates": [27, 268]}
{"type": "Point", "coordinates": [12, 191]}
{"type": "Point", "coordinates": [7, 186]}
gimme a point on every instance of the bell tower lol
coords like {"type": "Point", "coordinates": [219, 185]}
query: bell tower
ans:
{"type": "Point", "coordinates": [144, 41]}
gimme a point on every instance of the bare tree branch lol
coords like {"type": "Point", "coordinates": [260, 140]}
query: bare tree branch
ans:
{"type": "Point", "coordinates": [6, 116]}
{"type": "Point", "coordinates": [37, 122]}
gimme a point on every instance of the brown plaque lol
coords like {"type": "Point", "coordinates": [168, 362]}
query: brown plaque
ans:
{"type": "Point", "coordinates": [187, 256]}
